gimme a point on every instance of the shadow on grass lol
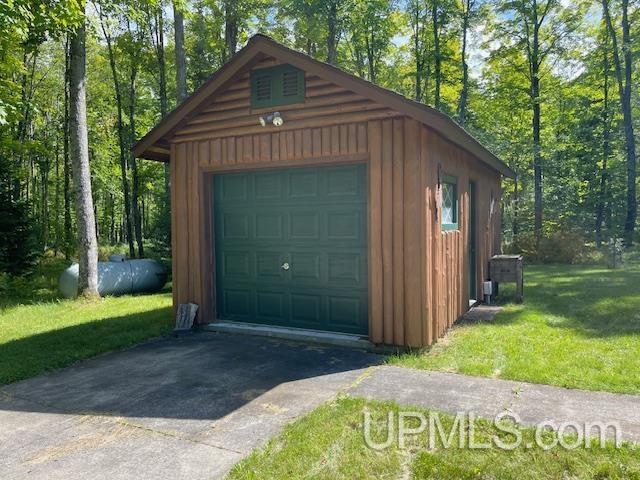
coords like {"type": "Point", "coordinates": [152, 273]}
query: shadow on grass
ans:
{"type": "Point", "coordinates": [32, 355]}
{"type": "Point", "coordinates": [594, 302]}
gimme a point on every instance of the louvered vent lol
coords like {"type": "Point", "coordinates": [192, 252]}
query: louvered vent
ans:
{"type": "Point", "coordinates": [274, 86]}
{"type": "Point", "coordinates": [263, 87]}
{"type": "Point", "coordinates": [290, 84]}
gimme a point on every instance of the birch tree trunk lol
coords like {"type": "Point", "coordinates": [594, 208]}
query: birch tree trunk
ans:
{"type": "Point", "coordinates": [79, 143]}
{"type": "Point", "coordinates": [68, 237]}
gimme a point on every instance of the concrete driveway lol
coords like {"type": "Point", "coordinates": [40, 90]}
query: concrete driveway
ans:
{"type": "Point", "coordinates": [172, 408]}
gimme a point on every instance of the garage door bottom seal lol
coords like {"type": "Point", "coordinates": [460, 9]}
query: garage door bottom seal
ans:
{"type": "Point", "coordinates": [295, 334]}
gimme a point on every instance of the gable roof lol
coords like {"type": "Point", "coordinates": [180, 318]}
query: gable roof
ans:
{"type": "Point", "coordinates": [154, 146]}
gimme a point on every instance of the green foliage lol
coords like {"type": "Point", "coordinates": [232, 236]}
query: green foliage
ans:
{"type": "Point", "coordinates": [18, 244]}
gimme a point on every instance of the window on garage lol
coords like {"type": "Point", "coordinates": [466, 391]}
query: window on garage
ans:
{"type": "Point", "coordinates": [449, 202]}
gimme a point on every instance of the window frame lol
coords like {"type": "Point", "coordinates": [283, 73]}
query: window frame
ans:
{"type": "Point", "coordinates": [453, 182]}
{"type": "Point", "coordinates": [277, 83]}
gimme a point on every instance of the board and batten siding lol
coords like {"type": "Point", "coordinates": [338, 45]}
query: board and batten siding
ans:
{"type": "Point", "coordinates": [417, 273]}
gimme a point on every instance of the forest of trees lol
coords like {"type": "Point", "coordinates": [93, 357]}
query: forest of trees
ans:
{"type": "Point", "coordinates": [548, 85]}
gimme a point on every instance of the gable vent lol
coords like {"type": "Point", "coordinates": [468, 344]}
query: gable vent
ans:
{"type": "Point", "coordinates": [263, 87]}
{"type": "Point", "coordinates": [279, 85]}
{"type": "Point", "coordinates": [290, 84]}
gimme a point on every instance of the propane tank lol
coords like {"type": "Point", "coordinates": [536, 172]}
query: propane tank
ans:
{"type": "Point", "coordinates": [118, 276]}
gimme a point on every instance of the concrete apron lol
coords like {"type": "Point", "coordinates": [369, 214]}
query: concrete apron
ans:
{"type": "Point", "coordinates": [192, 407]}
{"type": "Point", "coordinates": [488, 397]}
{"type": "Point", "coordinates": [188, 408]}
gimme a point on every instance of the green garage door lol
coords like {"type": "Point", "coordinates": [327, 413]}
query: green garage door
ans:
{"type": "Point", "coordinates": [291, 247]}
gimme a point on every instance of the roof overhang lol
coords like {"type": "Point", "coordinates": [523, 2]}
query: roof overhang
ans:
{"type": "Point", "coordinates": [155, 147]}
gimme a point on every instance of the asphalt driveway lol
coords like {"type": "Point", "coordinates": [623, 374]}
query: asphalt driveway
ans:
{"type": "Point", "coordinates": [173, 408]}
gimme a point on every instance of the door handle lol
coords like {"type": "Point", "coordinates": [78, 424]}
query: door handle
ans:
{"type": "Point", "coordinates": [285, 266]}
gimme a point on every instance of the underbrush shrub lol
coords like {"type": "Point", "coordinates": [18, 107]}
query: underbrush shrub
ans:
{"type": "Point", "coordinates": [5, 284]}
{"type": "Point", "coordinates": [564, 247]}
{"type": "Point", "coordinates": [19, 249]}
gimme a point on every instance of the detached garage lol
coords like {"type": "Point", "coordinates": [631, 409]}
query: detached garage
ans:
{"type": "Point", "coordinates": [308, 198]}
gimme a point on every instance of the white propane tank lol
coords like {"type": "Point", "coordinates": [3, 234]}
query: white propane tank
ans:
{"type": "Point", "coordinates": [118, 277]}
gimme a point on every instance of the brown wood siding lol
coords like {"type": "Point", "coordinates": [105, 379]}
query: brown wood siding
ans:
{"type": "Point", "coordinates": [446, 264]}
{"type": "Point", "coordinates": [418, 275]}
{"type": "Point", "coordinates": [326, 105]}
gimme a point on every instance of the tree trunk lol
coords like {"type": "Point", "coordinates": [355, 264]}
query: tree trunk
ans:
{"type": "Point", "coordinates": [122, 137]}
{"type": "Point", "coordinates": [624, 90]}
{"type": "Point", "coordinates": [56, 207]}
{"type": "Point", "coordinates": [162, 68]}
{"type": "Point", "coordinates": [371, 57]}
{"type": "Point", "coordinates": [436, 54]}
{"type": "Point", "coordinates": [516, 211]}
{"type": "Point", "coordinates": [87, 242]}
{"type": "Point", "coordinates": [464, 92]}
{"type": "Point", "coordinates": [135, 190]}
{"type": "Point", "coordinates": [230, 28]}
{"type": "Point", "coordinates": [537, 158]}
{"type": "Point", "coordinates": [332, 32]}
{"type": "Point", "coordinates": [606, 150]}
{"type": "Point", "coordinates": [534, 68]}
{"type": "Point", "coordinates": [68, 234]}
{"type": "Point", "coordinates": [181, 66]}
{"type": "Point", "coordinates": [417, 50]}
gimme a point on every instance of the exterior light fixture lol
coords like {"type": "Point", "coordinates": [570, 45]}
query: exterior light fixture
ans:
{"type": "Point", "coordinates": [278, 121]}
{"type": "Point", "coordinates": [275, 118]}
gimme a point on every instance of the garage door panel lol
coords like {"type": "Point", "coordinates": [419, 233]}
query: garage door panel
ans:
{"type": "Point", "coordinates": [234, 187]}
{"type": "Point", "coordinates": [291, 247]}
{"type": "Point", "coordinates": [344, 182]}
{"type": "Point", "coordinates": [268, 186]}
{"type": "Point", "coordinates": [270, 306]}
{"type": "Point", "coordinates": [268, 266]}
{"type": "Point", "coordinates": [346, 313]}
{"type": "Point", "coordinates": [237, 303]}
{"type": "Point", "coordinates": [345, 269]}
{"type": "Point", "coordinates": [303, 184]}
{"type": "Point", "coordinates": [269, 226]}
{"type": "Point", "coordinates": [345, 226]}
{"type": "Point", "coordinates": [305, 267]}
{"type": "Point", "coordinates": [306, 309]}
{"type": "Point", "coordinates": [235, 226]}
{"type": "Point", "coordinates": [236, 265]}
{"type": "Point", "coordinates": [304, 225]}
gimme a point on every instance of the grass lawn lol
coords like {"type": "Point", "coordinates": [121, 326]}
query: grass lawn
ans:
{"type": "Point", "coordinates": [579, 328]}
{"type": "Point", "coordinates": [329, 444]}
{"type": "Point", "coordinates": [40, 332]}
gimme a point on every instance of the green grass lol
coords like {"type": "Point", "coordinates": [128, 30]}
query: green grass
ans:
{"type": "Point", "coordinates": [41, 332]}
{"type": "Point", "coordinates": [329, 444]}
{"type": "Point", "coordinates": [579, 328]}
